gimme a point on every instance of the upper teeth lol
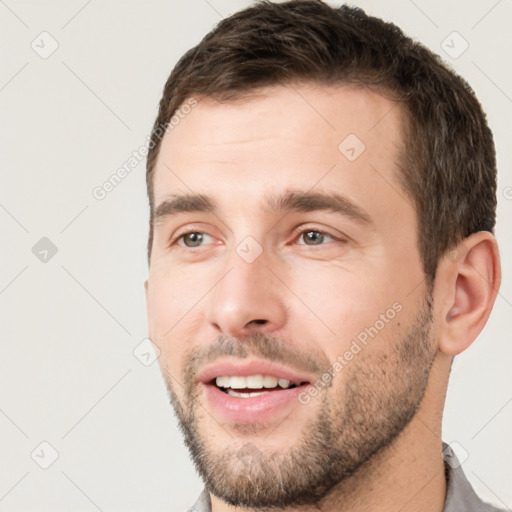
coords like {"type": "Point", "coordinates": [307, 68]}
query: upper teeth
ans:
{"type": "Point", "coordinates": [252, 382]}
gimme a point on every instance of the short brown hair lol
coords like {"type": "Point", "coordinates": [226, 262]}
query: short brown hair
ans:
{"type": "Point", "coordinates": [448, 167]}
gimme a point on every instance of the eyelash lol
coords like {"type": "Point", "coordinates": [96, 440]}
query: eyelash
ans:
{"type": "Point", "coordinates": [296, 233]}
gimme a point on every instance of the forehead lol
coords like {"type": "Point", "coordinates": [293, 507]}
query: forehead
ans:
{"type": "Point", "coordinates": [310, 135]}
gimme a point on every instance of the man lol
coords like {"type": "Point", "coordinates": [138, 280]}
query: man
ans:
{"type": "Point", "coordinates": [322, 193]}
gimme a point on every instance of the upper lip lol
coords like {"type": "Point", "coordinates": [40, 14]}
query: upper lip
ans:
{"type": "Point", "coordinates": [244, 368]}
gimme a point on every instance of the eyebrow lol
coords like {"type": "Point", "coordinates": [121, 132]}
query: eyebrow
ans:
{"type": "Point", "coordinates": [287, 201]}
{"type": "Point", "coordinates": [183, 203]}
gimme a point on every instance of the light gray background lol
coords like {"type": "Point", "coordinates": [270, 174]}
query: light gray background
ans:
{"type": "Point", "coordinates": [69, 325]}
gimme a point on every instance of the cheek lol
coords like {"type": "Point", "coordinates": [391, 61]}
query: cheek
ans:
{"type": "Point", "coordinates": [340, 307]}
{"type": "Point", "coordinates": [172, 303]}
{"type": "Point", "coordinates": [171, 294]}
{"type": "Point", "coordinates": [336, 295]}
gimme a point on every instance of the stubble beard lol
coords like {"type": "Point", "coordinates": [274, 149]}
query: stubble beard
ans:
{"type": "Point", "coordinates": [352, 425]}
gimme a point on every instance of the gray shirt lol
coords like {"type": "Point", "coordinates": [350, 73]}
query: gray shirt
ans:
{"type": "Point", "coordinates": [460, 496]}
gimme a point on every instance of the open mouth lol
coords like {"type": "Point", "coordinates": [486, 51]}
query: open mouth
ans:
{"type": "Point", "coordinates": [252, 385]}
{"type": "Point", "coordinates": [252, 391]}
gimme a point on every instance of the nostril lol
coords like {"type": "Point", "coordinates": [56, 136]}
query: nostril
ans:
{"type": "Point", "coordinates": [258, 322]}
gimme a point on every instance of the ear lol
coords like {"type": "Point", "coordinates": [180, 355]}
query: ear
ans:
{"type": "Point", "coordinates": [469, 277]}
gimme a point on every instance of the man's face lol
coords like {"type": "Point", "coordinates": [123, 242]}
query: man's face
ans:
{"type": "Point", "coordinates": [288, 289]}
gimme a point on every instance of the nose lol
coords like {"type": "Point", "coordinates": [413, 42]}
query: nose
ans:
{"type": "Point", "coordinates": [247, 297]}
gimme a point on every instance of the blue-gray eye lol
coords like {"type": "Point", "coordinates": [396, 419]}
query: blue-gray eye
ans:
{"type": "Point", "coordinates": [195, 238]}
{"type": "Point", "coordinates": [314, 237]}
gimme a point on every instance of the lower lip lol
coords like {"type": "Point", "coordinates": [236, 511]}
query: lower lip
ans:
{"type": "Point", "coordinates": [254, 409]}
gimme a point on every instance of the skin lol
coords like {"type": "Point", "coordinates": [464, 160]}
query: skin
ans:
{"type": "Point", "coordinates": [311, 300]}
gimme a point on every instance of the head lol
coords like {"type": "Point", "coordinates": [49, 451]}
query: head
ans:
{"type": "Point", "coordinates": [322, 199]}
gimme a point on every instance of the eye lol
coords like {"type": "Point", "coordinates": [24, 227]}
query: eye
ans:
{"type": "Point", "coordinates": [314, 237]}
{"type": "Point", "coordinates": [192, 239]}
{"type": "Point", "coordinates": [310, 237]}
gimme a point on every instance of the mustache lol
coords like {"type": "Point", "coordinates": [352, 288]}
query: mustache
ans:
{"type": "Point", "coordinates": [264, 346]}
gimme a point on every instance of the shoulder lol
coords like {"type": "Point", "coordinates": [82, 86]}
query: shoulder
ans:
{"type": "Point", "coordinates": [460, 495]}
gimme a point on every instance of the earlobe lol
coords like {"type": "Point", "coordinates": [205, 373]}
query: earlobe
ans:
{"type": "Point", "coordinates": [472, 276]}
